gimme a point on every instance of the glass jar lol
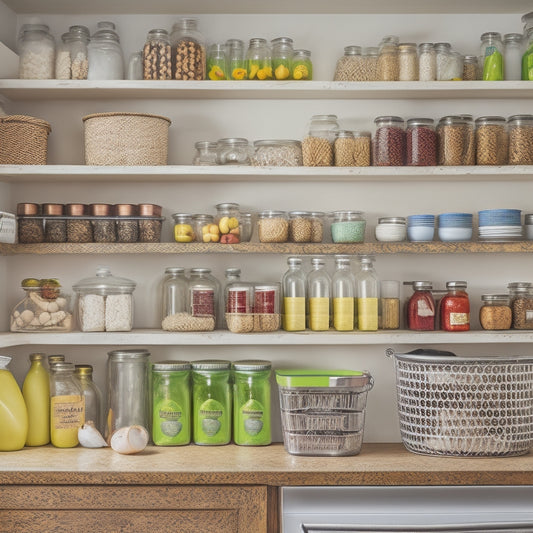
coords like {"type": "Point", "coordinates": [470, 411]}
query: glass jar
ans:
{"type": "Point", "coordinates": [522, 305]}
{"type": "Point", "coordinates": [512, 59]}
{"type": "Point", "coordinates": [294, 296]}
{"type": "Point", "coordinates": [246, 226]}
{"type": "Point", "coordinates": [302, 66]}
{"type": "Point", "coordinates": [421, 307]}
{"type": "Point", "coordinates": [520, 129]}
{"type": "Point", "coordinates": [188, 50]}
{"type": "Point", "coordinates": [235, 62]}
{"type": "Point", "coordinates": [171, 411]}
{"type": "Point", "coordinates": [495, 312]}
{"type": "Point", "coordinates": [421, 142]}
{"type": "Point", "coordinates": [62, 65]}
{"type": "Point", "coordinates": [300, 226]}
{"type": "Point", "coordinates": [443, 61]}
{"type": "Point", "coordinates": [206, 153]}
{"type": "Point", "coordinates": [454, 308]}
{"type": "Point", "coordinates": [135, 68]}
{"type": "Point", "coordinates": [343, 294]}
{"type": "Point", "coordinates": [239, 307]}
{"type": "Point", "coordinates": [367, 284]}
{"type": "Point", "coordinates": [105, 302]}
{"type": "Point", "coordinates": [79, 227]}
{"type": "Point", "coordinates": [267, 313]}
{"type": "Point", "coordinates": [282, 54]}
{"type": "Point", "coordinates": [204, 228]}
{"type": "Point", "coordinates": [317, 226]}
{"type": "Point", "coordinates": [211, 402]}
{"type": "Point", "coordinates": [317, 146]}
{"type": "Point", "coordinates": [36, 53]}
{"type": "Point", "coordinates": [30, 230]}
{"type": "Point", "coordinates": [389, 305]}
{"type": "Point", "coordinates": [106, 60]}
{"type": "Point", "coordinates": [94, 408]}
{"type": "Point", "coordinates": [528, 226]}
{"type": "Point", "coordinates": [388, 67]}
{"type": "Point", "coordinates": [492, 56]}
{"type": "Point", "coordinates": [344, 148]}
{"type": "Point", "coordinates": [408, 62]}
{"type": "Point", "coordinates": [389, 142]}
{"type": "Point", "coordinates": [36, 394]}
{"type": "Point", "coordinates": [128, 390]}
{"type": "Point", "coordinates": [216, 62]}
{"type": "Point", "coordinates": [103, 225]}
{"type": "Point", "coordinates": [233, 151]}
{"type": "Point", "coordinates": [251, 403]}
{"type": "Point", "coordinates": [427, 62]}
{"type": "Point", "coordinates": [157, 63]}
{"type": "Point", "coordinates": [492, 141]}
{"type": "Point", "coordinates": [202, 302]}
{"type": "Point", "coordinates": [127, 228]}
{"type": "Point", "coordinates": [79, 54]}
{"type": "Point", "coordinates": [391, 229]}
{"type": "Point", "coordinates": [370, 57]}
{"type": "Point", "coordinates": [183, 230]}
{"type": "Point", "coordinates": [277, 153]}
{"type": "Point", "coordinates": [258, 60]}
{"type": "Point", "coordinates": [319, 294]}
{"type": "Point", "coordinates": [150, 223]}
{"type": "Point", "coordinates": [67, 406]}
{"type": "Point", "coordinates": [174, 291]}
{"type": "Point", "coordinates": [351, 66]}
{"type": "Point", "coordinates": [470, 68]}
{"type": "Point", "coordinates": [348, 226]}
{"type": "Point", "coordinates": [228, 219]}
{"type": "Point", "coordinates": [527, 58]}
{"type": "Point", "coordinates": [273, 226]}
{"type": "Point", "coordinates": [456, 143]}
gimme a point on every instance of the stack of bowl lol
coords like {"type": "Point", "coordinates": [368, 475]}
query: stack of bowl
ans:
{"type": "Point", "coordinates": [420, 228]}
{"type": "Point", "coordinates": [455, 227]}
{"type": "Point", "coordinates": [500, 224]}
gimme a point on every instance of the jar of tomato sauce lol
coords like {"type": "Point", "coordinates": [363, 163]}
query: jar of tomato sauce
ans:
{"type": "Point", "coordinates": [455, 308]}
{"type": "Point", "coordinates": [421, 307]}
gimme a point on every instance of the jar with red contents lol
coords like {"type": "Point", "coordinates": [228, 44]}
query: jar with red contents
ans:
{"type": "Point", "coordinates": [421, 142]}
{"type": "Point", "coordinates": [389, 142]}
{"type": "Point", "coordinates": [203, 293]}
{"type": "Point", "coordinates": [421, 307]}
{"type": "Point", "coordinates": [267, 316]}
{"type": "Point", "coordinates": [455, 308]}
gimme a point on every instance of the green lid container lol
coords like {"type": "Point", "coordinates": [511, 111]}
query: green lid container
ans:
{"type": "Point", "coordinates": [308, 378]}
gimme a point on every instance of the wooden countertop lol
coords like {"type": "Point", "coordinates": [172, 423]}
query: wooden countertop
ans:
{"type": "Point", "coordinates": [377, 464]}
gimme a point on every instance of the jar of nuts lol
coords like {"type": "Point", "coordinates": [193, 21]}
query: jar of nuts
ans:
{"type": "Point", "coordinates": [522, 306]}
{"type": "Point", "coordinates": [157, 64]}
{"type": "Point", "coordinates": [317, 146]}
{"type": "Point", "coordinates": [188, 51]}
{"type": "Point", "coordinates": [495, 313]}
{"type": "Point", "coordinates": [520, 139]}
{"type": "Point", "coordinates": [300, 226]}
{"type": "Point", "coordinates": [492, 141]}
{"type": "Point", "coordinates": [273, 226]}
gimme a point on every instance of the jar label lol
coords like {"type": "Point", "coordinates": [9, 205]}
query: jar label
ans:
{"type": "Point", "coordinates": [343, 314]}
{"type": "Point", "coordinates": [68, 412]}
{"type": "Point", "coordinates": [423, 309]}
{"type": "Point", "coordinates": [252, 417]}
{"type": "Point", "coordinates": [459, 319]}
{"type": "Point", "coordinates": [367, 311]}
{"type": "Point", "coordinates": [210, 413]}
{"type": "Point", "coordinates": [170, 418]}
{"type": "Point", "coordinates": [319, 313]}
{"type": "Point", "coordinates": [294, 315]}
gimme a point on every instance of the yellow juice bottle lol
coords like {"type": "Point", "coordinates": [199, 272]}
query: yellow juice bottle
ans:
{"type": "Point", "coordinates": [13, 413]}
{"type": "Point", "coordinates": [36, 392]}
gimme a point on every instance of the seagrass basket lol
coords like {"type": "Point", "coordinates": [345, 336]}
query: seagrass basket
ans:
{"type": "Point", "coordinates": [126, 139]}
{"type": "Point", "coordinates": [23, 140]}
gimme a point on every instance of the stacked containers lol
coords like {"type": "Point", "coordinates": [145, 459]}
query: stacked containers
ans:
{"type": "Point", "coordinates": [420, 227]}
{"type": "Point", "coordinates": [455, 226]}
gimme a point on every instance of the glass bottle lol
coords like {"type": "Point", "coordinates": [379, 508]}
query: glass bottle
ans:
{"type": "Point", "coordinates": [174, 292]}
{"type": "Point", "coordinates": [36, 393]}
{"type": "Point", "coordinates": [421, 307]}
{"type": "Point", "coordinates": [251, 403]}
{"type": "Point", "coordinates": [67, 406]}
{"type": "Point", "coordinates": [188, 50]}
{"type": "Point", "coordinates": [171, 412]}
{"type": "Point", "coordinates": [212, 404]}
{"type": "Point", "coordinates": [157, 63]}
{"type": "Point", "coordinates": [512, 59]}
{"type": "Point", "coordinates": [492, 56]}
{"type": "Point", "coordinates": [388, 61]}
{"type": "Point", "coordinates": [367, 295]}
{"type": "Point", "coordinates": [79, 54]}
{"type": "Point", "coordinates": [427, 62]}
{"type": "Point", "coordinates": [454, 308]}
{"type": "Point", "coordinates": [495, 312]}
{"type": "Point", "coordinates": [36, 53]}
{"type": "Point", "coordinates": [527, 57]}
{"type": "Point", "coordinates": [235, 62]}
{"type": "Point", "coordinates": [106, 60]}
{"type": "Point", "coordinates": [294, 296]}
{"type": "Point", "coordinates": [216, 62]}
{"type": "Point", "coordinates": [94, 408]}
{"type": "Point", "coordinates": [302, 66]}
{"type": "Point", "coordinates": [408, 62]}
{"type": "Point", "coordinates": [343, 289]}
{"type": "Point", "coordinates": [389, 305]}
{"type": "Point", "coordinates": [259, 60]}
{"type": "Point", "coordinates": [282, 54]}
{"type": "Point", "coordinates": [317, 145]}
{"type": "Point", "coordinates": [319, 294]}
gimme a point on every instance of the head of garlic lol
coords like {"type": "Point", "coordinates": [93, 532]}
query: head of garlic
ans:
{"type": "Point", "coordinates": [130, 439]}
{"type": "Point", "coordinates": [90, 437]}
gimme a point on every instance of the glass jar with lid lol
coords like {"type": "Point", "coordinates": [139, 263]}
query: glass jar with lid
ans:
{"type": "Point", "coordinates": [302, 65]}
{"type": "Point", "coordinates": [367, 283]}
{"type": "Point", "coordinates": [203, 294]}
{"type": "Point", "coordinates": [206, 153]}
{"type": "Point", "coordinates": [470, 68]}
{"type": "Point", "coordinates": [235, 61]}
{"type": "Point", "coordinates": [259, 60]}
{"type": "Point", "coordinates": [282, 54]}
{"type": "Point", "coordinates": [36, 48]}
{"type": "Point", "coordinates": [318, 222]}
{"type": "Point", "coordinates": [174, 292]}
{"type": "Point", "coordinates": [106, 60]}
{"type": "Point", "coordinates": [150, 222]}
{"type": "Point", "coordinates": [273, 226]}
{"type": "Point", "coordinates": [135, 67]}
{"type": "Point", "coordinates": [388, 61]}
{"type": "Point", "coordinates": [408, 62]}
{"type": "Point", "coordinates": [105, 302]}
{"type": "Point", "coordinates": [512, 59]}
{"type": "Point", "coordinates": [521, 297]}
{"type": "Point", "coordinates": [103, 225]}
{"type": "Point", "coordinates": [55, 225]}
{"type": "Point", "coordinates": [246, 227]}
{"type": "Point", "coordinates": [389, 141]}
{"type": "Point", "coordinates": [389, 304]}
{"type": "Point", "coordinates": [427, 62]}
{"type": "Point", "coordinates": [520, 129]}
{"type": "Point", "coordinates": [62, 65]}
{"type": "Point", "coordinates": [492, 141]}
{"type": "Point", "coordinates": [127, 225]}
{"type": "Point", "coordinates": [216, 62]}
{"type": "Point", "coordinates": [456, 142]}
{"type": "Point", "coordinates": [267, 308]}
{"type": "Point", "coordinates": [183, 230]}
{"type": "Point", "coordinates": [391, 229]}
{"type": "Point", "coordinates": [233, 151]}
{"type": "Point", "coordinates": [527, 57]}
{"type": "Point", "coordinates": [239, 307]}
{"type": "Point", "coordinates": [495, 312]}
{"type": "Point", "coordinates": [443, 61]}
{"type": "Point", "coordinates": [344, 148]}
{"type": "Point", "coordinates": [78, 48]}
{"type": "Point", "coordinates": [370, 62]}
{"type": "Point", "coordinates": [188, 50]}
{"type": "Point", "coordinates": [350, 66]}
{"type": "Point", "coordinates": [228, 219]}
{"type": "Point", "coordinates": [79, 227]}
{"type": "Point", "coordinates": [205, 229]}
{"type": "Point", "coordinates": [492, 56]}
{"type": "Point", "coordinates": [300, 226]}
{"type": "Point", "coordinates": [317, 146]}
{"type": "Point", "coordinates": [277, 153]}
{"type": "Point", "coordinates": [421, 307]}
{"type": "Point", "coordinates": [319, 295]}
{"type": "Point", "coordinates": [421, 142]}
{"type": "Point", "coordinates": [343, 294]}
{"type": "Point", "coordinates": [454, 308]}
{"type": "Point", "coordinates": [294, 296]}
{"type": "Point", "coordinates": [157, 63]}
{"type": "Point", "coordinates": [348, 226]}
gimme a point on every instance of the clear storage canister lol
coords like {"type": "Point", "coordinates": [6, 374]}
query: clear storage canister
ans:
{"type": "Point", "coordinates": [391, 229]}
{"type": "Point", "coordinates": [216, 62]}
{"type": "Point", "coordinates": [282, 54]}
{"type": "Point", "coordinates": [512, 59]}
{"type": "Point", "coordinates": [205, 229]}
{"type": "Point", "coordinates": [277, 153]}
{"type": "Point", "coordinates": [317, 225]}
{"type": "Point", "coordinates": [370, 56]}
{"type": "Point", "coordinates": [239, 307]}
{"type": "Point", "coordinates": [267, 308]}
{"type": "Point", "coordinates": [492, 56]}
{"type": "Point", "coordinates": [388, 67]}
{"type": "Point", "coordinates": [351, 66]}
{"type": "Point", "coordinates": [427, 62]}
{"type": "Point", "coordinates": [103, 224]}
{"type": "Point", "coordinates": [127, 228]}
{"type": "Point", "coordinates": [228, 218]}
{"type": "Point", "coordinates": [449, 62]}
{"type": "Point", "coordinates": [174, 293]}
{"type": "Point", "coordinates": [520, 129]}
{"type": "Point", "coordinates": [183, 230]}
{"type": "Point", "coordinates": [521, 296]}
{"type": "Point", "coordinates": [157, 63]}
{"type": "Point", "coordinates": [233, 151]}
{"type": "Point", "coordinates": [300, 226]}
{"type": "Point", "coordinates": [456, 144]}
{"type": "Point", "coordinates": [344, 148]}
{"type": "Point", "coordinates": [348, 226]}
{"type": "Point", "coordinates": [492, 141]}
{"type": "Point", "coordinates": [421, 142]}
{"type": "Point", "coordinates": [302, 66]}
{"type": "Point", "coordinates": [150, 223]}
{"type": "Point", "coordinates": [343, 294]}
{"type": "Point", "coordinates": [389, 305]}
{"type": "Point", "coordinates": [62, 65]}
{"type": "Point", "coordinates": [188, 50]}
{"type": "Point", "coordinates": [79, 227]}
{"type": "Point", "coordinates": [206, 153]}
{"type": "Point", "coordinates": [30, 230]}
{"type": "Point", "coordinates": [235, 61]}
{"type": "Point", "coordinates": [79, 53]}
{"type": "Point", "coordinates": [317, 146]}
{"type": "Point", "coordinates": [389, 142]}
{"type": "Point", "coordinates": [495, 312]}
{"type": "Point", "coordinates": [106, 59]}
{"type": "Point", "coordinates": [203, 294]}
{"type": "Point", "coordinates": [55, 226]}
{"type": "Point", "coordinates": [259, 60]}
{"type": "Point", "coordinates": [134, 68]}
{"type": "Point", "coordinates": [36, 48]}
{"type": "Point", "coordinates": [470, 68]}
{"type": "Point", "coordinates": [408, 62]}
{"type": "Point", "coordinates": [273, 226]}
{"type": "Point", "coordinates": [94, 408]}
{"type": "Point", "coordinates": [528, 226]}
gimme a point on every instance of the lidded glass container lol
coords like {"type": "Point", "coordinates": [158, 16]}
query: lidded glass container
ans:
{"type": "Point", "coordinates": [106, 60]}
{"type": "Point", "coordinates": [512, 60]}
{"type": "Point", "coordinates": [205, 229]}
{"type": "Point", "coordinates": [302, 66]}
{"type": "Point", "coordinates": [456, 143]}
{"type": "Point", "coordinates": [216, 62]}
{"type": "Point", "coordinates": [300, 226]}
{"type": "Point", "coordinates": [103, 225]}
{"type": "Point", "coordinates": [421, 142]}
{"type": "Point", "coordinates": [492, 141]}
{"type": "Point", "coordinates": [105, 302]}
{"type": "Point", "coordinates": [174, 292]}
{"type": "Point", "coordinates": [427, 62]}
{"type": "Point", "coordinates": [351, 66]}
{"type": "Point", "coordinates": [79, 53]}
{"type": "Point", "coordinates": [183, 228]}
{"type": "Point", "coordinates": [277, 153]}
{"type": "Point", "coordinates": [127, 228]}
{"type": "Point", "coordinates": [235, 62]}
{"type": "Point", "coordinates": [521, 296]}
{"type": "Point", "coordinates": [233, 151]}
{"type": "Point", "coordinates": [282, 54]}
{"type": "Point", "coordinates": [36, 48]}
{"type": "Point", "coordinates": [348, 226]}
{"type": "Point", "coordinates": [408, 62]}
{"type": "Point", "coordinates": [520, 129]}
{"type": "Point", "coordinates": [343, 294]}
{"type": "Point", "coordinates": [389, 305]}
{"type": "Point", "coordinates": [455, 308]}
{"type": "Point", "coordinates": [62, 65]}
{"type": "Point", "coordinates": [79, 227]}
{"type": "Point", "coordinates": [391, 229]}
{"type": "Point", "coordinates": [157, 62]}
{"type": "Point", "coordinates": [294, 296]}
{"type": "Point", "coordinates": [246, 226]}
{"type": "Point", "coordinates": [317, 146]}
{"type": "Point", "coordinates": [30, 230]}
{"type": "Point", "coordinates": [228, 218]}
{"type": "Point", "coordinates": [388, 67]}
{"type": "Point", "coordinates": [318, 296]}
{"type": "Point", "coordinates": [495, 312]}
{"type": "Point", "coordinates": [470, 68]}
{"type": "Point", "coordinates": [273, 226]}
{"type": "Point", "coordinates": [370, 57]}
{"type": "Point", "coordinates": [94, 408]}
{"type": "Point", "coordinates": [206, 153]}
{"type": "Point", "coordinates": [55, 226]}
{"type": "Point", "coordinates": [188, 50]}
{"type": "Point", "coordinates": [267, 308]}
{"type": "Point", "coordinates": [421, 311]}
{"type": "Point", "coordinates": [259, 60]}
{"type": "Point", "coordinates": [367, 283]}
{"type": "Point", "coordinates": [389, 144]}
{"type": "Point", "coordinates": [492, 56]}
{"type": "Point", "coordinates": [150, 223]}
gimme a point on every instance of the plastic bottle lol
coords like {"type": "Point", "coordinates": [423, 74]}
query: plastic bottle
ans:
{"type": "Point", "coordinates": [294, 288]}
{"type": "Point", "coordinates": [13, 412]}
{"type": "Point", "coordinates": [367, 295]}
{"type": "Point", "coordinates": [36, 393]}
{"type": "Point", "coordinates": [319, 292]}
{"type": "Point", "coordinates": [343, 284]}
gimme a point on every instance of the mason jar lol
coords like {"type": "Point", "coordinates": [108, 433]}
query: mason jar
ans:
{"type": "Point", "coordinates": [495, 312]}
{"type": "Point", "coordinates": [317, 146]}
{"type": "Point", "coordinates": [492, 56]}
{"type": "Point", "coordinates": [470, 68]}
{"type": "Point", "coordinates": [389, 142]}
{"type": "Point", "coordinates": [370, 62]}
{"type": "Point", "coordinates": [103, 224]}
{"type": "Point", "coordinates": [188, 50]}
{"type": "Point", "coordinates": [233, 151]}
{"type": "Point", "coordinates": [157, 62]}
{"type": "Point", "coordinates": [350, 67]}
{"type": "Point", "coordinates": [258, 60]}
{"type": "Point", "coordinates": [282, 54]}
{"type": "Point", "coordinates": [512, 63]}
{"type": "Point", "coordinates": [427, 62]}
{"type": "Point", "coordinates": [106, 60]}
{"type": "Point", "coordinates": [277, 153]}
{"type": "Point", "coordinates": [228, 218]}
{"type": "Point", "coordinates": [388, 66]}
{"type": "Point", "coordinates": [421, 142]}
{"type": "Point", "coordinates": [302, 66]}
{"type": "Point", "coordinates": [520, 139]}
{"type": "Point", "coordinates": [456, 142]}
{"type": "Point", "coordinates": [235, 61]}
{"type": "Point", "coordinates": [300, 226]}
{"type": "Point", "coordinates": [273, 226]}
{"type": "Point", "coordinates": [55, 226]}
{"type": "Point", "coordinates": [204, 228]}
{"type": "Point", "coordinates": [36, 53]}
{"type": "Point", "coordinates": [408, 62]}
{"type": "Point", "coordinates": [183, 229]}
{"type": "Point", "coordinates": [492, 141]}
{"type": "Point", "coordinates": [206, 153]}
{"type": "Point", "coordinates": [79, 52]}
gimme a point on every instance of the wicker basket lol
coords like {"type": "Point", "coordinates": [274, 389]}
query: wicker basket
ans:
{"type": "Point", "coordinates": [23, 140]}
{"type": "Point", "coordinates": [126, 139]}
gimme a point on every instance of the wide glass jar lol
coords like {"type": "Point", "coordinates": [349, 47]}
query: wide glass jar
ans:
{"type": "Point", "coordinates": [388, 67]}
{"type": "Point", "coordinates": [235, 61]}
{"type": "Point", "coordinates": [233, 151]}
{"type": "Point", "coordinates": [317, 145]}
{"type": "Point", "coordinates": [520, 129]}
{"type": "Point", "coordinates": [282, 54]}
{"type": "Point", "coordinates": [348, 226]}
{"type": "Point", "coordinates": [206, 153]}
{"type": "Point", "coordinates": [427, 62]}
{"type": "Point", "coordinates": [512, 61]}
{"type": "Point", "coordinates": [495, 312]}
{"type": "Point", "coordinates": [408, 62]}
{"type": "Point", "coordinates": [492, 56]}
{"type": "Point", "coordinates": [521, 297]}
{"type": "Point", "coordinates": [273, 226]}
{"type": "Point", "coordinates": [421, 311]}
{"type": "Point", "coordinates": [228, 218]}
{"type": "Point", "coordinates": [455, 308]}
{"type": "Point", "coordinates": [421, 142]}
{"type": "Point", "coordinates": [259, 60]}
{"type": "Point", "coordinates": [36, 48]}
{"type": "Point", "coordinates": [351, 66]}
{"type": "Point", "coordinates": [106, 59]}
{"type": "Point", "coordinates": [183, 228]}
{"type": "Point", "coordinates": [300, 226]}
{"type": "Point", "coordinates": [216, 62]}
{"type": "Point", "coordinates": [188, 50]}
{"type": "Point", "coordinates": [302, 66]}
{"type": "Point", "coordinates": [157, 62]}
{"type": "Point", "coordinates": [391, 229]}
{"type": "Point", "coordinates": [205, 229]}
{"type": "Point", "coordinates": [492, 141]}
{"type": "Point", "coordinates": [389, 146]}
{"type": "Point", "coordinates": [277, 153]}
{"type": "Point", "coordinates": [456, 142]}
{"type": "Point", "coordinates": [30, 230]}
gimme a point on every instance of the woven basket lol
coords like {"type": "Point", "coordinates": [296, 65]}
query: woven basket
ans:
{"type": "Point", "coordinates": [23, 140]}
{"type": "Point", "coordinates": [126, 139]}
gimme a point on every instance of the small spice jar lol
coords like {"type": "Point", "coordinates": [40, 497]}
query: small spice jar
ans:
{"type": "Point", "coordinates": [157, 62]}
{"type": "Point", "coordinates": [282, 54]}
{"type": "Point", "coordinates": [391, 229]}
{"type": "Point", "coordinates": [389, 144]}
{"type": "Point", "coordinates": [421, 307]}
{"type": "Point", "coordinates": [30, 230]}
{"type": "Point", "coordinates": [55, 226]}
{"type": "Point", "coordinates": [150, 223]}
{"type": "Point", "coordinates": [273, 226]}
{"type": "Point", "coordinates": [421, 142]}
{"type": "Point", "coordinates": [351, 66]}
{"type": "Point", "coordinates": [302, 66]}
{"type": "Point", "coordinates": [79, 227]}
{"type": "Point", "coordinates": [408, 62]}
{"type": "Point", "coordinates": [183, 228]}
{"type": "Point", "coordinates": [204, 228]}
{"type": "Point", "coordinates": [528, 226]}
{"type": "Point", "coordinates": [206, 153]}
{"type": "Point", "coordinates": [348, 226]}
{"type": "Point", "coordinates": [317, 146]}
{"type": "Point", "coordinates": [266, 307]}
{"type": "Point", "coordinates": [300, 226]}
{"type": "Point", "coordinates": [388, 67]}
{"type": "Point", "coordinates": [277, 153]}
{"type": "Point", "coordinates": [495, 312]}
{"type": "Point", "coordinates": [103, 226]}
{"type": "Point", "coordinates": [233, 151]}
{"type": "Point", "coordinates": [427, 62]}
{"type": "Point", "coordinates": [521, 296]}
{"type": "Point", "coordinates": [520, 139]}
{"type": "Point", "coordinates": [127, 228]}
{"type": "Point", "coordinates": [470, 68]}
{"type": "Point", "coordinates": [492, 141]}
{"type": "Point", "coordinates": [389, 305]}
{"type": "Point", "coordinates": [456, 143]}
{"type": "Point", "coordinates": [455, 308]}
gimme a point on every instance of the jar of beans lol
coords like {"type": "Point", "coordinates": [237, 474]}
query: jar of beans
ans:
{"type": "Point", "coordinates": [408, 62]}
{"type": "Point", "coordinates": [317, 146]}
{"type": "Point", "coordinates": [492, 141]}
{"type": "Point", "coordinates": [421, 142]}
{"type": "Point", "coordinates": [351, 66]}
{"type": "Point", "coordinates": [157, 63]}
{"type": "Point", "coordinates": [344, 148]}
{"type": "Point", "coordinates": [427, 62]}
{"type": "Point", "coordinates": [300, 226]}
{"type": "Point", "coordinates": [273, 226]}
{"type": "Point", "coordinates": [495, 312]}
{"type": "Point", "coordinates": [388, 67]}
{"type": "Point", "coordinates": [389, 142]}
{"type": "Point", "coordinates": [348, 226]}
{"type": "Point", "coordinates": [520, 139]}
{"type": "Point", "coordinates": [188, 51]}
{"type": "Point", "coordinates": [370, 56]}
{"type": "Point", "coordinates": [456, 144]}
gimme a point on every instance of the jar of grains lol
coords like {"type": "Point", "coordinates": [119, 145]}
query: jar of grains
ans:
{"type": "Point", "coordinates": [528, 226]}
{"type": "Point", "coordinates": [470, 68]}
{"type": "Point", "coordinates": [259, 60]}
{"type": "Point", "coordinates": [79, 227]}
{"type": "Point", "coordinates": [302, 66]}
{"type": "Point", "coordinates": [36, 53]}
{"type": "Point", "coordinates": [30, 230]}
{"type": "Point", "coordinates": [391, 229]}
{"type": "Point", "coordinates": [273, 226]}
{"type": "Point", "coordinates": [427, 62]}
{"type": "Point", "coordinates": [55, 226]}
{"type": "Point", "coordinates": [235, 62]}
{"type": "Point", "coordinates": [520, 139]}
{"type": "Point", "coordinates": [492, 56]}
{"type": "Point", "coordinates": [204, 228]}
{"type": "Point", "coordinates": [456, 146]}
{"type": "Point", "coordinates": [521, 297]}
{"type": "Point", "coordinates": [389, 305]}
{"type": "Point", "coordinates": [216, 62]}
{"type": "Point", "coordinates": [350, 67]}
{"type": "Point", "coordinates": [127, 228]}
{"type": "Point", "coordinates": [233, 151]}
{"type": "Point", "coordinates": [277, 153]}
{"type": "Point", "coordinates": [408, 62]}
{"type": "Point", "coordinates": [300, 226]}
{"type": "Point", "coordinates": [370, 57]}
{"type": "Point", "coordinates": [344, 148]}
{"type": "Point", "coordinates": [421, 142]}
{"type": "Point", "coordinates": [157, 63]}
{"type": "Point", "coordinates": [495, 312]}
{"type": "Point", "coordinates": [188, 50]}
{"type": "Point", "coordinates": [266, 306]}
{"type": "Point", "coordinates": [282, 53]}
{"type": "Point", "coordinates": [317, 225]}
{"type": "Point", "coordinates": [150, 223]}
{"type": "Point", "coordinates": [389, 142]}
{"type": "Point", "coordinates": [206, 153]}
{"type": "Point", "coordinates": [388, 67]}
{"type": "Point", "coordinates": [348, 226]}
{"type": "Point", "coordinates": [317, 146]}
{"type": "Point", "coordinates": [492, 141]}
{"type": "Point", "coordinates": [62, 66]}
{"type": "Point", "coordinates": [183, 230]}
{"type": "Point", "coordinates": [512, 63]}
{"type": "Point", "coordinates": [103, 225]}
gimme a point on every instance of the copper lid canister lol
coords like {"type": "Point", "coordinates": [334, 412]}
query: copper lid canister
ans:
{"type": "Point", "coordinates": [100, 210]}
{"type": "Point", "coordinates": [125, 210]}
{"type": "Point", "coordinates": [76, 210]}
{"type": "Point", "coordinates": [149, 210]}
{"type": "Point", "coordinates": [28, 209]}
{"type": "Point", "coordinates": [53, 209]}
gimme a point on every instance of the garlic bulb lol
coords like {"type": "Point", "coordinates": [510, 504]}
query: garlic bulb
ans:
{"type": "Point", "coordinates": [90, 437]}
{"type": "Point", "coordinates": [131, 439]}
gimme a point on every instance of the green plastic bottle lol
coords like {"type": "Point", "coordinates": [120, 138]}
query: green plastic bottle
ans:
{"type": "Point", "coordinates": [171, 415]}
{"type": "Point", "coordinates": [251, 403]}
{"type": "Point", "coordinates": [211, 402]}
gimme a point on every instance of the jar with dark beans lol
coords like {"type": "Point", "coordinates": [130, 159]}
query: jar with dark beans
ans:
{"type": "Point", "coordinates": [492, 141]}
{"type": "Point", "coordinates": [421, 142]}
{"type": "Point", "coordinates": [127, 229]}
{"type": "Point", "coordinates": [389, 142]}
{"type": "Point", "coordinates": [30, 230]}
{"type": "Point", "coordinates": [149, 228]}
{"type": "Point", "coordinates": [79, 229]}
{"type": "Point", "coordinates": [55, 229]}
{"type": "Point", "coordinates": [104, 227]}
{"type": "Point", "coordinates": [456, 144]}
{"type": "Point", "coordinates": [157, 64]}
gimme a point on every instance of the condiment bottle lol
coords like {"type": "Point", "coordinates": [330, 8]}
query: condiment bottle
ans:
{"type": "Point", "coordinates": [455, 308]}
{"type": "Point", "coordinates": [319, 293]}
{"type": "Point", "coordinates": [367, 295]}
{"type": "Point", "coordinates": [36, 392]}
{"type": "Point", "coordinates": [421, 307]}
{"type": "Point", "coordinates": [495, 313]}
{"type": "Point", "coordinates": [294, 293]}
{"type": "Point", "coordinates": [92, 395]}
{"type": "Point", "coordinates": [343, 288]}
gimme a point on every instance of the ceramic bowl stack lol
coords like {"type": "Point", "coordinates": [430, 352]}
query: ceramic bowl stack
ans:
{"type": "Point", "coordinates": [455, 227]}
{"type": "Point", "coordinates": [420, 228]}
{"type": "Point", "coordinates": [500, 224]}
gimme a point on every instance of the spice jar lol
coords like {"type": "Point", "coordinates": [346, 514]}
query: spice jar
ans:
{"type": "Point", "coordinates": [282, 53]}
{"type": "Point", "coordinates": [348, 226]}
{"type": "Point", "coordinates": [456, 143]}
{"type": "Point", "coordinates": [216, 62]}
{"type": "Point", "coordinates": [127, 228]}
{"type": "Point", "coordinates": [388, 67]}
{"type": "Point", "coordinates": [455, 308]}
{"type": "Point", "coordinates": [258, 60]}
{"type": "Point", "coordinates": [273, 226]}
{"type": "Point", "coordinates": [212, 402]}
{"type": "Point", "coordinates": [277, 153]}
{"type": "Point", "coordinates": [157, 63]}
{"type": "Point", "coordinates": [235, 62]}
{"type": "Point", "coordinates": [206, 153]}
{"type": "Point", "coordinates": [79, 227]}
{"type": "Point", "coordinates": [408, 62]}
{"type": "Point", "coordinates": [492, 141]}
{"type": "Point", "coordinates": [343, 294]}
{"type": "Point", "coordinates": [171, 401]}
{"type": "Point", "coordinates": [251, 403]}
{"type": "Point", "coordinates": [512, 63]}
{"type": "Point", "coordinates": [228, 219]}
{"type": "Point", "coordinates": [421, 307]}
{"type": "Point", "coordinates": [294, 296]}
{"type": "Point", "coordinates": [204, 228]}
{"type": "Point", "coordinates": [421, 142]}
{"type": "Point", "coordinates": [233, 151]}
{"type": "Point", "coordinates": [492, 56]}
{"type": "Point", "coordinates": [150, 223]}
{"type": "Point", "coordinates": [495, 313]}
{"type": "Point", "coordinates": [55, 226]}
{"type": "Point", "coordinates": [30, 230]}
{"type": "Point", "coordinates": [351, 66]}
{"type": "Point", "coordinates": [267, 313]}
{"type": "Point", "coordinates": [183, 230]}
{"type": "Point", "coordinates": [389, 305]}
{"type": "Point", "coordinates": [103, 226]}
{"type": "Point", "coordinates": [91, 395]}
{"type": "Point", "coordinates": [427, 62]}
{"type": "Point", "coordinates": [300, 226]}
{"type": "Point", "coordinates": [106, 60]}
{"type": "Point", "coordinates": [391, 229]}
{"type": "Point", "coordinates": [188, 50]}
{"type": "Point", "coordinates": [302, 66]}
{"type": "Point", "coordinates": [317, 146]}
{"type": "Point", "coordinates": [36, 48]}
{"type": "Point", "coordinates": [470, 68]}
{"type": "Point", "coordinates": [389, 142]}
{"type": "Point", "coordinates": [520, 139]}
{"type": "Point", "coordinates": [521, 296]}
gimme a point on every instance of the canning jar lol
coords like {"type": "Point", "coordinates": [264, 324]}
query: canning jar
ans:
{"type": "Point", "coordinates": [528, 226]}
{"type": "Point", "coordinates": [171, 403]}
{"type": "Point", "coordinates": [212, 404]}
{"type": "Point", "coordinates": [408, 62]}
{"type": "Point", "coordinates": [105, 302]}
{"type": "Point", "coordinates": [455, 308]}
{"type": "Point", "coordinates": [228, 218]}
{"type": "Point", "coordinates": [273, 226]}
{"type": "Point", "coordinates": [370, 57]}
{"type": "Point", "coordinates": [344, 148]}
{"type": "Point", "coordinates": [300, 226]}
{"type": "Point", "coordinates": [266, 305]}
{"type": "Point", "coordinates": [251, 403]}
{"type": "Point", "coordinates": [317, 146]}
{"type": "Point", "coordinates": [150, 223]}
{"type": "Point", "coordinates": [512, 60]}
{"type": "Point", "coordinates": [206, 153]}
{"type": "Point", "coordinates": [103, 225]}
{"type": "Point", "coordinates": [319, 294]}
{"type": "Point", "coordinates": [389, 142]}
{"type": "Point", "coordinates": [348, 226]}
{"type": "Point", "coordinates": [351, 66]}
{"type": "Point", "coordinates": [492, 141]}
{"type": "Point", "coordinates": [427, 62]}
{"type": "Point", "coordinates": [183, 230]}
{"type": "Point", "coordinates": [456, 143]}
{"type": "Point", "coordinates": [174, 292]}
{"type": "Point", "coordinates": [277, 153]}
{"type": "Point", "coordinates": [421, 142]}
{"type": "Point", "coordinates": [94, 408]}
{"type": "Point", "coordinates": [127, 228]}
{"type": "Point", "coordinates": [235, 62]}
{"type": "Point", "coordinates": [495, 312]}
{"type": "Point", "coordinates": [520, 139]}
{"type": "Point", "coordinates": [62, 65]}
{"type": "Point", "coordinates": [157, 63]}
{"type": "Point", "coordinates": [36, 48]}
{"type": "Point", "coordinates": [204, 228]}
{"type": "Point", "coordinates": [389, 305]}
{"type": "Point", "coordinates": [55, 226]}
{"type": "Point", "coordinates": [470, 68]}
{"type": "Point", "coordinates": [343, 294]}
{"type": "Point", "coordinates": [388, 67]}
{"type": "Point", "coordinates": [421, 307]}
{"type": "Point", "coordinates": [391, 229]}
{"type": "Point", "coordinates": [79, 227]}
{"type": "Point", "coordinates": [492, 56]}
{"type": "Point", "coordinates": [216, 62]}
{"type": "Point", "coordinates": [106, 60]}
{"type": "Point", "coordinates": [302, 66]}
{"type": "Point", "coordinates": [294, 296]}
{"type": "Point", "coordinates": [30, 230]}
{"type": "Point", "coordinates": [188, 50]}
{"type": "Point", "coordinates": [79, 54]}
{"type": "Point", "coordinates": [246, 227]}
{"type": "Point", "coordinates": [233, 151]}
{"type": "Point", "coordinates": [521, 296]}
{"type": "Point", "coordinates": [282, 54]}
{"type": "Point", "coordinates": [258, 60]}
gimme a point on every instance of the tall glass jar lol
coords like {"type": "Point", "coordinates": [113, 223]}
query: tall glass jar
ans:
{"type": "Point", "coordinates": [495, 312]}
{"type": "Point", "coordinates": [239, 317]}
{"type": "Point", "coordinates": [106, 60]}
{"type": "Point", "coordinates": [389, 142]}
{"type": "Point", "coordinates": [259, 60]}
{"type": "Point", "coordinates": [94, 408]}
{"type": "Point", "coordinates": [317, 146]}
{"type": "Point", "coordinates": [235, 60]}
{"type": "Point", "coordinates": [421, 142]}
{"type": "Point", "coordinates": [302, 66]}
{"type": "Point", "coordinates": [206, 153]}
{"type": "Point", "coordinates": [512, 59]}
{"type": "Point", "coordinates": [454, 308]}
{"type": "Point", "coordinates": [367, 295]}
{"type": "Point", "coordinates": [233, 151]}
{"type": "Point", "coordinates": [445, 62]}
{"type": "Point", "coordinates": [79, 53]}
{"type": "Point", "coordinates": [36, 53]}
{"type": "Point", "coordinates": [229, 222]}
{"type": "Point", "coordinates": [427, 62]}
{"type": "Point", "coordinates": [157, 63]}
{"type": "Point", "coordinates": [520, 129]}
{"type": "Point", "coordinates": [62, 65]}
{"type": "Point", "coordinates": [456, 143]}
{"type": "Point", "coordinates": [319, 294]}
{"type": "Point", "coordinates": [370, 57]}
{"type": "Point", "coordinates": [282, 54]}
{"type": "Point", "coordinates": [128, 390]}
{"type": "Point", "coordinates": [251, 403]}
{"type": "Point", "coordinates": [343, 293]}
{"type": "Point", "coordinates": [492, 56]}
{"type": "Point", "coordinates": [294, 296]}
{"type": "Point", "coordinates": [521, 295]}
{"type": "Point", "coordinates": [202, 300]}
{"type": "Point", "coordinates": [421, 307]}
{"type": "Point", "coordinates": [492, 141]}
{"type": "Point", "coordinates": [388, 61]}
{"type": "Point", "coordinates": [188, 50]}
{"type": "Point", "coordinates": [212, 403]}
{"type": "Point", "coordinates": [216, 62]}
{"type": "Point", "coordinates": [408, 62]}
{"type": "Point", "coordinates": [174, 292]}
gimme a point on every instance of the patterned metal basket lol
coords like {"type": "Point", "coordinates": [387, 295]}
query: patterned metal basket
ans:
{"type": "Point", "coordinates": [466, 407]}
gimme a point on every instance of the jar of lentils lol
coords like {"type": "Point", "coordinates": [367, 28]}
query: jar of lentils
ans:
{"type": "Point", "coordinates": [317, 146]}
{"type": "Point", "coordinates": [79, 228]}
{"type": "Point", "coordinates": [495, 312]}
{"type": "Point", "coordinates": [421, 142]}
{"type": "Point", "coordinates": [520, 139]}
{"type": "Point", "coordinates": [492, 141]}
{"type": "Point", "coordinates": [456, 145]}
{"type": "Point", "coordinates": [389, 144]}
